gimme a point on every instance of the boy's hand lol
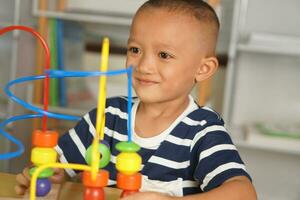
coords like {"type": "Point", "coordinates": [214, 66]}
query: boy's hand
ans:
{"type": "Point", "coordinates": [58, 176]}
{"type": "Point", "coordinates": [23, 182]}
{"type": "Point", "coordinates": [23, 179]}
{"type": "Point", "coordinates": [147, 196]}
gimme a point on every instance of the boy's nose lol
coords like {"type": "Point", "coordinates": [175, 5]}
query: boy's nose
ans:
{"type": "Point", "coordinates": [145, 66]}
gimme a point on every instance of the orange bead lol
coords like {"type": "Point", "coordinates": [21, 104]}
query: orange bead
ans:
{"type": "Point", "coordinates": [44, 139]}
{"type": "Point", "coordinates": [100, 181]}
{"type": "Point", "coordinates": [129, 182]}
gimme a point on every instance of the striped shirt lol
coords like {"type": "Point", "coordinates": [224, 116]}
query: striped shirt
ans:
{"type": "Point", "coordinates": [193, 155]}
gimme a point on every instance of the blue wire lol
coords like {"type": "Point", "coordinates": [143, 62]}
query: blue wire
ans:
{"type": "Point", "coordinates": [61, 73]}
{"type": "Point", "coordinates": [29, 106]}
{"type": "Point", "coordinates": [129, 103]}
{"type": "Point", "coordinates": [52, 74]}
{"type": "Point", "coordinates": [60, 61]}
{"type": "Point", "coordinates": [11, 138]}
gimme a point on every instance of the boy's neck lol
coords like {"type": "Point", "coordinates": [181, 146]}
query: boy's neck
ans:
{"type": "Point", "coordinates": [154, 118]}
{"type": "Point", "coordinates": [164, 109]}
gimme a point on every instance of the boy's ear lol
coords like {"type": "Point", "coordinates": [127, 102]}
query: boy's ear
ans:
{"type": "Point", "coordinates": [207, 68]}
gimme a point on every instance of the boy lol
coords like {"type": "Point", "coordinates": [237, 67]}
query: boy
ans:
{"type": "Point", "coordinates": [186, 151]}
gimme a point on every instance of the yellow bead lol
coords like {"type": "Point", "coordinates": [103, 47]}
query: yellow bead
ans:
{"type": "Point", "coordinates": [128, 163]}
{"type": "Point", "coordinates": [40, 156]}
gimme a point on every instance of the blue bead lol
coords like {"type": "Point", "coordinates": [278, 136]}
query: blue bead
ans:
{"type": "Point", "coordinates": [43, 187]}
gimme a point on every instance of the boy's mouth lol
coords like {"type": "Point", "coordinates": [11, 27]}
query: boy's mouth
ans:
{"type": "Point", "coordinates": [145, 82]}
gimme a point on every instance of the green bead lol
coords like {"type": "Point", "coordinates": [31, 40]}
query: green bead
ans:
{"type": "Point", "coordinates": [44, 174]}
{"type": "Point", "coordinates": [128, 147]}
{"type": "Point", "coordinates": [104, 153]}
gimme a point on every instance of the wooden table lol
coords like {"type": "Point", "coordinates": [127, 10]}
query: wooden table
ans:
{"type": "Point", "coordinates": [68, 190]}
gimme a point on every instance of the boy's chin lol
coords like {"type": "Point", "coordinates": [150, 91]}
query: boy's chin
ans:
{"type": "Point", "coordinates": [148, 98]}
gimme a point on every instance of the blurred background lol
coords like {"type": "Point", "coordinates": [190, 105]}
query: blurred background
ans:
{"type": "Point", "coordinates": [256, 88]}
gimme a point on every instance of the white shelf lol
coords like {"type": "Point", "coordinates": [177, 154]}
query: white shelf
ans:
{"type": "Point", "coordinates": [268, 49]}
{"type": "Point", "coordinates": [271, 43]}
{"type": "Point", "coordinates": [103, 19]}
{"type": "Point", "coordinates": [262, 146]}
{"type": "Point", "coordinates": [254, 140]}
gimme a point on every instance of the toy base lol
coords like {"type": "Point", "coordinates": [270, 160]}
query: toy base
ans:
{"type": "Point", "coordinates": [53, 195]}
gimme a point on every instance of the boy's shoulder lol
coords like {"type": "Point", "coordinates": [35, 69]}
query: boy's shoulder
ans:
{"type": "Point", "coordinates": [117, 102]}
{"type": "Point", "coordinates": [204, 116]}
{"type": "Point", "coordinates": [199, 121]}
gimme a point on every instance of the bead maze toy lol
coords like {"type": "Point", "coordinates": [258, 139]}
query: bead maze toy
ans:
{"type": "Point", "coordinates": [44, 157]}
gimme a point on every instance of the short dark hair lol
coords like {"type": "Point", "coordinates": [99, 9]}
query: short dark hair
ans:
{"type": "Point", "coordinates": [198, 8]}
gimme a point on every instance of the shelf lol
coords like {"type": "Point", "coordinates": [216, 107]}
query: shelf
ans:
{"type": "Point", "coordinates": [288, 51]}
{"type": "Point", "coordinates": [254, 140]}
{"type": "Point", "coordinates": [83, 17]}
{"type": "Point", "coordinates": [272, 44]}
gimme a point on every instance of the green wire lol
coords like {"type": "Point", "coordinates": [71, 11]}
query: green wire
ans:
{"type": "Point", "coordinates": [54, 81]}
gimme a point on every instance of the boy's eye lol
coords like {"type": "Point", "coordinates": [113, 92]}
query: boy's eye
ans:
{"type": "Point", "coordinates": [164, 55]}
{"type": "Point", "coordinates": [134, 50]}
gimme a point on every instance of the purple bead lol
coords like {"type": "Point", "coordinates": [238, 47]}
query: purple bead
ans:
{"type": "Point", "coordinates": [43, 186]}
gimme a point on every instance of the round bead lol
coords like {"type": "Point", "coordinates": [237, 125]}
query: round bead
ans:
{"type": "Point", "coordinates": [104, 153]}
{"type": "Point", "coordinates": [44, 174]}
{"type": "Point", "coordinates": [40, 156]}
{"type": "Point", "coordinates": [93, 194]}
{"type": "Point", "coordinates": [126, 193]}
{"type": "Point", "coordinates": [128, 147]}
{"type": "Point", "coordinates": [129, 182]}
{"type": "Point", "coordinates": [44, 138]}
{"type": "Point", "coordinates": [100, 181]}
{"type": "Point", "coordinates": [43, 187]}
{"type": "Point", "coordinates": [128, 163]}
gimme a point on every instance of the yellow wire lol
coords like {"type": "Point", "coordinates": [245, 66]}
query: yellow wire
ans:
{"type": "Point", "coordinates": [102, 89]}
{"type": "Point", "coordinates": [100, 123]}
{"type": "Point", "coordinates": [52, 165]}
{"type": "Point", "coordinates": [100, 119]}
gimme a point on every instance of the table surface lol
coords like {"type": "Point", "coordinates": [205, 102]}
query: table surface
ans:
{"type": "Point", "coordinates": [68, 190]}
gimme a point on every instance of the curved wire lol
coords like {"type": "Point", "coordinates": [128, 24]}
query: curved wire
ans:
{"type": "Point", "coordinates": [30, 106]}
{"type": "Point", "coordinates": [19, 144]}
{"type": "Point", "coordinates": [42, 113]}
{"type": "Point", "coordinates": [47, 63]}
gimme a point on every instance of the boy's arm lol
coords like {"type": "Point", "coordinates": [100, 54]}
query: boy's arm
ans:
{"type": "Point", "coordinates": [236, 188]}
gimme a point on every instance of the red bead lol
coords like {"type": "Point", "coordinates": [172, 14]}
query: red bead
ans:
{"type": "Point", "coordinates": [128, 192]}
{"type": "Point", "coordinates": [93, 193]}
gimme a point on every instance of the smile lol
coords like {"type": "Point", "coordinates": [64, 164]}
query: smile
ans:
{"type": "Point", "coordinates": [145, 82]}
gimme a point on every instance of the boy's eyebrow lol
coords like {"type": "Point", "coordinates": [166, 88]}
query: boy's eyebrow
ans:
{"type": "Point", "coordinates": [165, 45]}
{"type": "Point", "coordinates": [160, 44]}
{"type": "Point", "coordinates": [130, 40]}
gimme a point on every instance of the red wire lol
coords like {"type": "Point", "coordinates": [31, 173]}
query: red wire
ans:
{"type": "Point", "coordinates": [47, 64]}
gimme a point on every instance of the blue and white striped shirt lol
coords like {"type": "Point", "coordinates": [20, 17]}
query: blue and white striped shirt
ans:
{"type": "Point", "coordinates": [195, 154]}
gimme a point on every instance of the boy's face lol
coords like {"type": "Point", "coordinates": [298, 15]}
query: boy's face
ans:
{"type": "Point", "coordinates": [166, 49]}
